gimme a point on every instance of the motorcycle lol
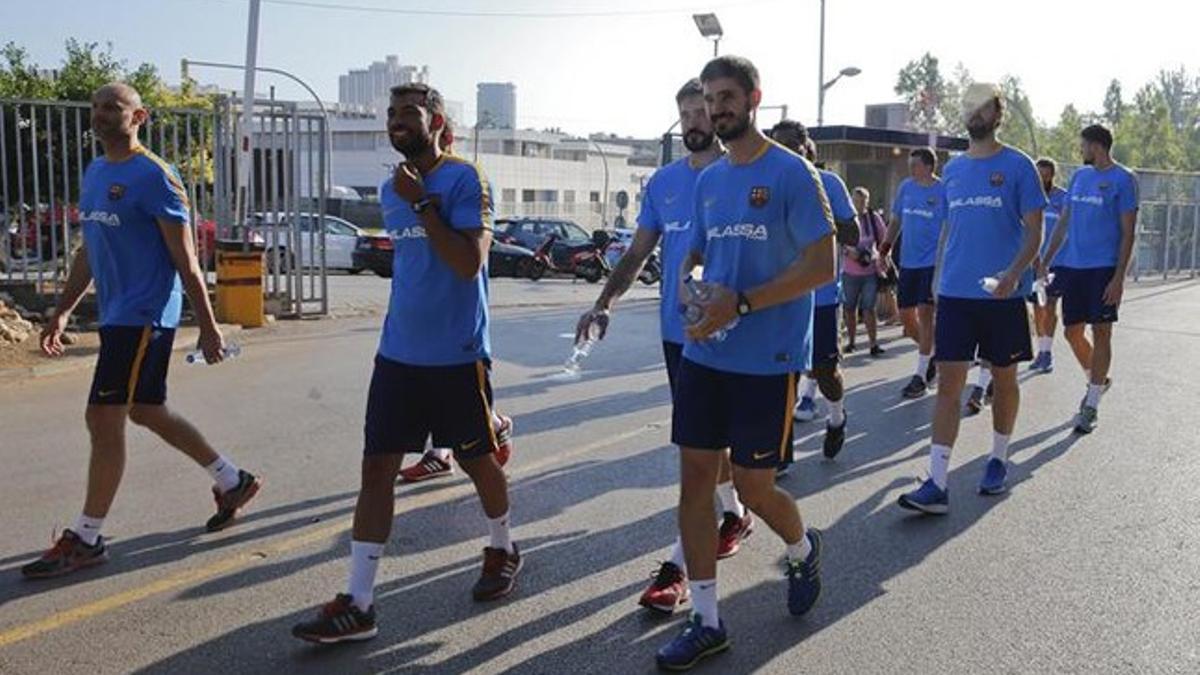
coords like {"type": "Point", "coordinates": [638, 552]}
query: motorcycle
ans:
{"type": "Point", "coordinates": [652, 271]}
{"type": "Point", "coordinates": [582, 261]}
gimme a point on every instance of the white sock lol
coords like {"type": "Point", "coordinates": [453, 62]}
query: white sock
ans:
{"type": "Point", "coordinates": [985, 377]}
{"type": "Point", "coordinates": [1045, 343]}
{"type": "Point", "coordinates": [704, 601]}
{"type": "Point", "coordinates": [810, 388]}
{"type": "Point", "coordinates": [837, 413]}
{"type": "Point", "coordinates": [224, 473]}
{"type": "Point", "coordinates": [923, 364]}
{"type": "Point", "coordinates": [498, 530]}
{"type": "Point", "coordinates": [729, 499]}
{"type": "Point", "coordinates": [1093, 394]}
{"type": "Point", "coordinates": [88, 528]}
{"type": "Point", "coordinates": [443, 454]}
{"type": "Point", "coordinates": [939, 464]}
{"type": "Point", "coordinates": [799, 551]}
{"type": "Point", "coordinates": [999, 446]}
{"type": "Point", "coordinates": [364, 563]}
{"type": "Point", "coordinates": [677, 558]}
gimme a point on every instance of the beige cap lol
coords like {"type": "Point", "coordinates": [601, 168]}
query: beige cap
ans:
{"type": "Point", "coordinates": [978, 95]}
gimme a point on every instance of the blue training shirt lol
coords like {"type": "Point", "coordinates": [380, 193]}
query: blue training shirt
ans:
{"type": "Point", "coordinates": [1056, 201]}
{"type": "Point", "coordinates": [667, 210]}
{"type": "Point", "coordinates": [922, 212]}
{"type": "Point", "coordinates": [843, 209]}
{"type": "Point", "coordinates": [1096, 202]}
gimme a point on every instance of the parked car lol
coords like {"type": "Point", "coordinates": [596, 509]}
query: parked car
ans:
{"type": "Point", "coordinates": [530, 233]}
{"type": "Point", "coordinates": [509, 260]}
{"type": "Point", "coordinates": [341, 240]}
{"type": "Point", "coordinates": [374, 251]}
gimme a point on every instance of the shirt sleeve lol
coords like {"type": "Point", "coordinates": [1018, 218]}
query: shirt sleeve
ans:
{"type": "Point", "coordinates": [1030, 195]}
{"type": "Point", "coordinates": [839, 199]}
{"type": "Point", "coordinates": [699, 238]}
{"type": "Point", "coordinates": [472, 207]}
{"type": "Point", "coordinates": [164, 197]}
{"type": "Point", "coordinates": [808, 216]}
{"type": "Point", "coordinates": [898, 202]}
{"type": "Point", "coordinates": [648, 217]}
{"type": "Point", "coordinates": [1127, 196]}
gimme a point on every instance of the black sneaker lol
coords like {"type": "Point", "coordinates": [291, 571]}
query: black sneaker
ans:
{"type": "Point", "coordinates": [228, 503]}
{"type": "Point", "coordinates": [991, 393]}
{"type": "Point", "coordinates": [975, 401]}
{"type": "Point", "coordinates": [499, 575]}
{"type": "Point", "coordinates": [931, 373]}
{"type": "Point", "coordinates": [916, 388]}
{"type": "Point", "coordinates": [339, 621]}
{"type": "Point", "coordinates": [848, 349]}
{"type": "Point", "coordinates": [68, 554]}
{"type": "Point", "coordinates": [876, 351]}
{"type": "Point", "coordinates": [835, 437]}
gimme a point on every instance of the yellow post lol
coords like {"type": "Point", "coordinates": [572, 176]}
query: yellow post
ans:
{"type": "Point", "coordinates": [240, 288]}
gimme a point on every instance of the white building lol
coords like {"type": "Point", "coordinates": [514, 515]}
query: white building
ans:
{"type": "Point", "coordinates": [532, 173]}
{"type": "Point", "coordinates": [496, 105]}
{"type": "Point", "coordinates": [368, 87]}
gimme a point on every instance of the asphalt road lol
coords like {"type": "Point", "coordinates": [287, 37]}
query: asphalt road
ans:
{"type": "Point", "coordinates": [1088, 565]}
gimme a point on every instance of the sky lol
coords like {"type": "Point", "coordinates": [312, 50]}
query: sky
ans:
{"type": "Point", "coordinates": [617, 69]}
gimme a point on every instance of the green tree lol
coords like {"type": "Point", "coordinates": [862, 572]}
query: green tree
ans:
{"type": "Point", "coordinates": [1151, 138]}
{"type": "Point", "coordinates": [1020, 128]}
{"type": "Point", "coordinates": [19, 78]}
{"type": "Point", "coordinates": [925, 91]}
{"type": "Point", "coordinates": [1114, 104]}
{"type": "Point", "coordinates": [1062, 140]}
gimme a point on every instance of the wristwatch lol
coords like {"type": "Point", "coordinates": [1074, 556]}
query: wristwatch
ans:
{"type": "Point", "coordinates": [743, 304]}
{"type": "Point", "coordinates": [421, 204]}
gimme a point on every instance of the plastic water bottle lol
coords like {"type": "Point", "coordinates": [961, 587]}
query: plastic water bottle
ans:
{"type": "Point", "coordinates": [1040, 286]}
{"type": "Point", "coordinates": [990, 284]}
{"type": "Point", "coordinates": [698, 292]}
{"type": "Point", "coordinates": [196, 358]}
{"type": "Point", "coordinates": [581, 351]}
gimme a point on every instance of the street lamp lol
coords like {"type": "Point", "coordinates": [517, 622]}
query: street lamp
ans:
{"type": "Point", "coordinates": [850, 71]}
{"type": "Point", "coordinates": [710, 27]}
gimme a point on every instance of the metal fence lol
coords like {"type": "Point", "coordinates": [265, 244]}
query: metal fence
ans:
{"type": "Point", "coordinates": [45, 146]}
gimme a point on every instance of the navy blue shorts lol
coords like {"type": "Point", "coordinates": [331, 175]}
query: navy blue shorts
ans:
{"type": "Point", "coordinates": [1083, 295]}
{"type": "Point", "coordinates": [672, 354]}
{"type": "Point", "coordinates": [407, 404]}
{"type": "Point", "coordinates": [132, 366]}
{"type": "Point", "coordinates": [916, 287]}
{"type": "Point", "coordinates": [825, 350]}
{"type": "Point", "coordinates": [749, 414]}
{"type": "Point", "coordinates": [997, 331]}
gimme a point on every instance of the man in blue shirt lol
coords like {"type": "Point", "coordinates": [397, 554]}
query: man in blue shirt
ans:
{"type": "Point", "coordinates": [919, 211]}
{"type": "Point", "coordinates": [1098, 225]}
{"type": "Point", "coordinates": [666, 216]}
{"type": "Point", "coordinates": [826, 356]}
{"type": "Point", "coordinates": [432, 371]}
{"type": "Point", "coordinates": [763, 230]}
{"type": "Point", "coordinates": [993, 229]}
{"type": "Point", "coordinates": [137, 243]}
{"type": "Point", "coordinates": [1045, 317]}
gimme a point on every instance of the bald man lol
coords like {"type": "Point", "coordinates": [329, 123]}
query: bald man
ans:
{"type": "Point", "coordinates": [139, 250]}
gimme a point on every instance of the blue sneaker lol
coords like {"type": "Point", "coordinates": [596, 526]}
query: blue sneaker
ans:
{"type": "Point", "coordinates": [693, 644]}
{"type": "Point", "coordinates": [994, 475]}
{"type": "Point", "coordinates": [929, 498]}
{"type": "Point", "coordinates": [806, 410]}
{"type": "Point", "coordinates": [1048, 363]}
{"type": "Point", "coordinates": [1037, 363]}
{"type": "Point", "coordinates": [804, 577]}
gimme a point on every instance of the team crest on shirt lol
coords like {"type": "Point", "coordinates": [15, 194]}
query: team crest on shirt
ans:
{"type": "Point", "coordinates": [931, 201]}
{"type": "Point", "coordinates": [759, 196]}
{"type": "Point", "coordinates": [115, 191]}
{"type": "Point", "coordinates": [996, 179]}
{"type": "Point", "coordinates": [1104, 185]}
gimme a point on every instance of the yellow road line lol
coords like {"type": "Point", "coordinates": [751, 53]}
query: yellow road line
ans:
{"type": "Point", "coordinates": [186, 577]}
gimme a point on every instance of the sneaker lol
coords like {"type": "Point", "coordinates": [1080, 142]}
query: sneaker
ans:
{"type": "Point", "coordinates": [1086, 420]}
{"type": "Point", "coordinates": [975, 401]}
{"type": "Point", "coordinates": [1048, 363]}
{"type": "Point", "coordinates": [929, 498]}
{"type": "Point", "coordinates": [990, 394]}
{"type": "Point", "coordinates": [733, 532]}
{"type": "Point", "coordinates": [994, 475]}
{"type": "Point", "coordinates": [931, 373]}
{"type": "Point", "coordinates": [693, 644]}
{"type": "Point", "coordinates": [339, 621]}
{"type": "Point", "coordinates": [876, 351]}
{"type": "Point", "coordinates": [805, 410]}
{"type": "Point", "coordinates": [229, 503]}
{"type": "Point", "coordinates": [499, 575]}
{"type": "Point", "coordinates": [504, 440]}
{"type": "Point", "coordinates": [1107, 385]}
{"type": "Point", "coordinates": [916, 388]}
{"type": "Point", "coordinates": [835, 438]}
{"type": "Point", "coordinates": [804, 577]}
{"type": "Point", "coordinates": [848, 349]}
{"type": "Point", "coordinates": [429, 467]}
{"type": "Point", "coordinates": [1036, 365]}
{"type": "Point", "coordinates": [68, 554]}
{"type": "Point", "coordinates": [668, 591]}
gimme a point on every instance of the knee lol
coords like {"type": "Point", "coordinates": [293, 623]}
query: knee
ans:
{"type": "Point", "coordinates": [145, 416]}
{"type": "Point", "coordinates": [754, 494]}
{"type": "Point", "coordinates": [104, 420]}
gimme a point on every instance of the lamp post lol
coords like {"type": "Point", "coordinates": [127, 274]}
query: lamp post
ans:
{"type": "Point", "coordinates": [710, 27]}
{"type": "Point", "coordinates": [822, 85]}
{"type": "Point", "coordinates": [604, 197]}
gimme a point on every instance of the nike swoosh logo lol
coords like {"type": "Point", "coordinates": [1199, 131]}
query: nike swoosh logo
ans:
{"type": "Point", "coordinates": [109, 392]}
{"type": "Point", "coordinates": [468, 446]}
{"type": "Point", "coordinates": [762, 455]}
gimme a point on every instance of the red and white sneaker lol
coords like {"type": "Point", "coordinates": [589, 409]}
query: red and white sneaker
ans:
{"type": "Point", "coordinates": [429, 467]}
{"type": "Point", "coordinates": [668, 591]}
{"type": "Point", "coordinates": [504, 440]}
{"type": "Point", "coordinates": [733, 532]}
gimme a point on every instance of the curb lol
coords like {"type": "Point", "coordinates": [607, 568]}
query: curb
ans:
{"type": "Point", "coordinates": [184, 341]}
